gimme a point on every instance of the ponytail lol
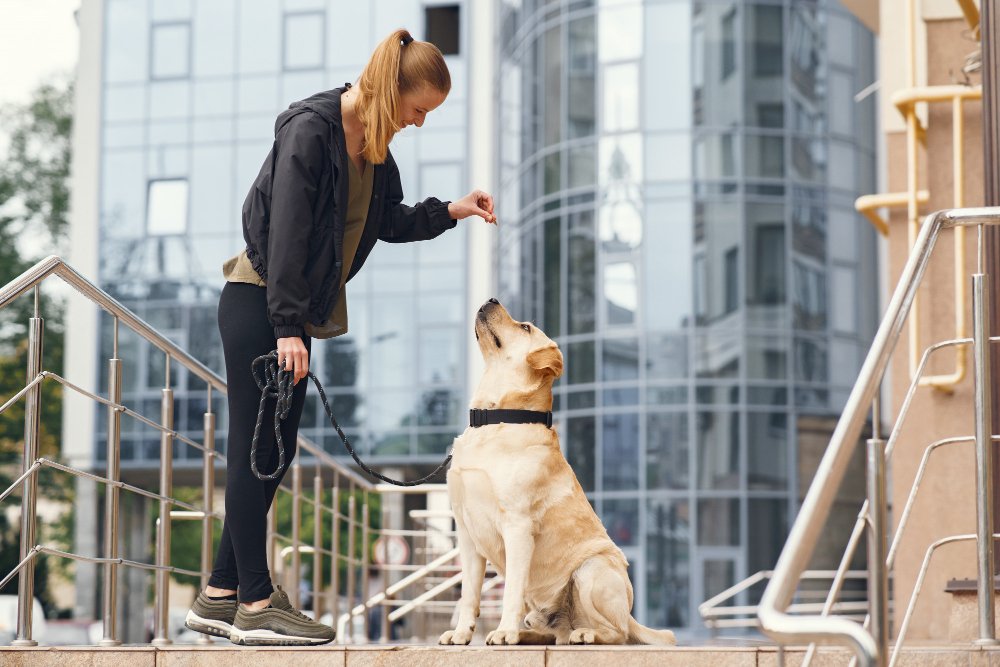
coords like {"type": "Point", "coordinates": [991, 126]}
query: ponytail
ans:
{"type": "Point", "coordinates": [398, 65]}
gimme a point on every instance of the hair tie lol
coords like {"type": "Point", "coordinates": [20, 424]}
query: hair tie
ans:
{"type": "Point", "coordinates": [407, 39]}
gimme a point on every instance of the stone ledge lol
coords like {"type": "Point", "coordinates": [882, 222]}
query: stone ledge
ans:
{"type": "Point", "coordinates": [957, 655]}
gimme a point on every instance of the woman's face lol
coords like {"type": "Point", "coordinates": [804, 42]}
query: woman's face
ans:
{"type": "Point", "coordinates": [416, 104]}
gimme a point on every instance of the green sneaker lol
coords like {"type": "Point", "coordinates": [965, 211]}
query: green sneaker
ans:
{"type": "Point", "coordinates": [211, 617]}
{"type": "Point", "coordinates": [280, 624]}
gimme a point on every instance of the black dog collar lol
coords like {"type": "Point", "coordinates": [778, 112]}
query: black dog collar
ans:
{"type": "Point", "coordinates": [479, 417]}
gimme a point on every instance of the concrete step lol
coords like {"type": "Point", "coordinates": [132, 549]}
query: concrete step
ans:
{"type": "Point", "coordinates": [962, 655]}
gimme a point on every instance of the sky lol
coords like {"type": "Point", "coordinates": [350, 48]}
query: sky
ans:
{"type": "Point", "coordinates": [38, 39]}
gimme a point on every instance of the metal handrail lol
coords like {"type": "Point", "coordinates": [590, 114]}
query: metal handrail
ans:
{"type": "Point", "coordinates": [809, 523]}
{"type": "Point", "coordinates": [357, 521]}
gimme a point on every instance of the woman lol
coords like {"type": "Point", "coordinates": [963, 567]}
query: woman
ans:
{"type": "Point", "coordinates": [328, 190]}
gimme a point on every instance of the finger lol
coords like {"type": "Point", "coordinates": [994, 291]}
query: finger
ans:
{"type": "Point", "coordinates": [486, 201]}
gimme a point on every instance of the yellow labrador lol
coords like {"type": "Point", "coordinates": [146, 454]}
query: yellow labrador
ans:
{"type": "Point", "coordinates": [518, 504]}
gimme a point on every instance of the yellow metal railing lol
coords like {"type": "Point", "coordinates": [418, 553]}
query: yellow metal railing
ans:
{"type": "Point", "coordinates": [906, 102]}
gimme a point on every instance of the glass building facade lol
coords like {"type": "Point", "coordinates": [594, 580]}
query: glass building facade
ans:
{"type": "Point", "coordinates": [677, 181]}
{"type": "Point", "coordinates": [190, 92]}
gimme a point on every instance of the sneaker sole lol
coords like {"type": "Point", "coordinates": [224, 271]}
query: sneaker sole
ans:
{"type": "Point", "coordinates": [207, 626]}
{"type": "Point", "coordinates": [272, 638]}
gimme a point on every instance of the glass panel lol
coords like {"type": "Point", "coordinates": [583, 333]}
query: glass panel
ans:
{"type": "Point", "coordinates": [718, 441]}
{"type": "Point", "coordinates": [580, 360]}
{"type": "Point", "coordinates": [552, 274]}
{"type": "Point", "coordinates": [552, 85]}
{"type": "Point", "coordinates": [718, 522]}
{"type": "Point", "coordinates": [440, 353]}
{"type": "Point", "coordinates": [620, 359]}
{"type": "Point", "coordinates": [581, 448]}
{"type": "Point", "coordinates": [767, 357]}
{"type": "Point", "coordinates": [167, 207]}
{"type": "Point", "coordinates": [171, 51]}
{"type": "Point", "coordinates": [620, 293]}
{"type": "Point", "coordinates": [581, 100]}
{"type": "Point", "coordinates": [668, 565]}
{"type": "Point", "coordinates": [765, 37]}
{"type": "Point", "coordinates": [621, 520]}
{"type": "Point", "coordinates": [666, 356]}
{"type": "Point", "coordinates": [304, 40]}
{"type": "Point", "coordinates": [620, 461]}
{"type": "Point", "coordinates": [717, 576]}
{"type": "Point", "coordinates": [767, 450]}
{"type": "Point", "coordinates": [439, 407]}
{"type": "Point", "coordinates": [809, 296]}
{"type": "Point", "coordinates": [620, 97]}
{"type": "Point", "coordinates": [811, 361]}
{"type": "Point", "coordinates": [767, 530]}
{"type": "Point", "coordinates": [717, 353]}
{"type": "Point", "coordinates": [581, 266]}
{"type": "Point", "coordinates": [668, 451]}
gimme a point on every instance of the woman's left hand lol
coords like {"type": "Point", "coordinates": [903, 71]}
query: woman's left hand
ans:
{"type": "Point", "coordinates": [476, 202]}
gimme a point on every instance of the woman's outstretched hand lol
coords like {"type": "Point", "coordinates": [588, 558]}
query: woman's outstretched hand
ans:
{"type": "Point", "coordinates": [293, 356]}
{"type": "Point", "coordinates": [476, 202]}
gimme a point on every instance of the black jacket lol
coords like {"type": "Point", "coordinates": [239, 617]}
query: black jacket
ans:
{"type": "Point", "coordinates": [295, 214]}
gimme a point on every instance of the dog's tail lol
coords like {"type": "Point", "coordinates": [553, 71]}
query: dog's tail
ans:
{"type": "Point", "coordinates": [640, 634]}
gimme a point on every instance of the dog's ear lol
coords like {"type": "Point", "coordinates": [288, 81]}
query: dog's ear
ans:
{"type": "Point", "coordinates": [547, 358]}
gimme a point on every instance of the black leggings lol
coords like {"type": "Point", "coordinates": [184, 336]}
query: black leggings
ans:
{"type": "Point", "coordinates": [241, 562]}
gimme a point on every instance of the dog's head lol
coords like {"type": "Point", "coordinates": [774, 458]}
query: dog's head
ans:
{"type": "Point", "coordinates": [521, 348]}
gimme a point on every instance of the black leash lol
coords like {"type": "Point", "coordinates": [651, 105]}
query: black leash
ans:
{"type": "Point", "coordinates": [277, 383]}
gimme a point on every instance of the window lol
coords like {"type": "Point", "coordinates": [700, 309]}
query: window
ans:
{"type": "Point", "coordinates": [732, 279]}
{"type": "Point", "coordinates": [167, 207]}
{"type": "Point", "coordinates": [728, 43]}
{"type": "Point", "coordinates": [170, 51]}
{"type": "Point", "coordinates": [442, 28]}
{"type": "Point", "coordinates": [304, 40]}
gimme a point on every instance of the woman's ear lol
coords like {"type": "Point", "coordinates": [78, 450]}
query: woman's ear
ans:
{"type": "Point", "coordinates": [547, 358]}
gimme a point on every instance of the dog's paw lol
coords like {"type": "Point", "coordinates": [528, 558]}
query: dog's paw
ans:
{"type": "Point", "coordinates": [581, 636]}
{"type": "Point", "coordinates": [456, 637]}
{"type": "Point", "coordinates": [503, 637]}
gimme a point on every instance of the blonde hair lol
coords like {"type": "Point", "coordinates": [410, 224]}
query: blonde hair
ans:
{"type": "Point", "coordinates": [398, 65]}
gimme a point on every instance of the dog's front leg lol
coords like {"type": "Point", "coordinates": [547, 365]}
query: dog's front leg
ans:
{"type": "Point", "coordinates": [473, 571]}
{"type": "Point", "coordinates": [519, 545]}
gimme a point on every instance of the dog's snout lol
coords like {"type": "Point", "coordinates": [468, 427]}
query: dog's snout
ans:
{"type": "Point", "coordinates": [489, 304]}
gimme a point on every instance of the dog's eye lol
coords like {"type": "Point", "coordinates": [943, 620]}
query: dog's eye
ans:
{"type": "Point", "coordinates": [526, 327]}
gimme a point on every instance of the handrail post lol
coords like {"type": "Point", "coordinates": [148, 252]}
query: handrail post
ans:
{"type": "Point", "coordinates": [317, 563]}
{"type": "Point", "coordinates": [351, 560]}
{"type": "Point", "coordinates": [878, 520]}
{"type": "Point", "coordinates": [207, 493]}
{"type": "Point", "coordinates": [335, 550]}
{"type": "Point", "coordinates": [111, 496]}
{"type": "Point", "coordinates": [296, 532]}
{"type": "Point", "coordinates": [365, 550]}
{"type": "Point", "coordinates": [161, 606]}
{"type": "Point", "coordinates": [984, 460]}
{"type": "Point", "coordinates": [32, 410]}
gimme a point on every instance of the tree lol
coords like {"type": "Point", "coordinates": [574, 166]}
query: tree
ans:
{"type": "Point", "coordinates": [34, 219]}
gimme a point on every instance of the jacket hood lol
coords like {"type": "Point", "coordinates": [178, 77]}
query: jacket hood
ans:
{"type": "Point", "coordinates": [326, 104]}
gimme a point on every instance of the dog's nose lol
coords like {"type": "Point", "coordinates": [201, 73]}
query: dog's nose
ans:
{"type": "Point", "coordinates": [493, 300]}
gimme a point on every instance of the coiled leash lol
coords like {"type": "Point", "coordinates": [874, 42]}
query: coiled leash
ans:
{"type": "Point", "coordinates": [275, 382]}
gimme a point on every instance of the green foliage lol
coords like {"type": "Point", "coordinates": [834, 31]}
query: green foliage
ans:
{"type": "Point", "coordinates": [34, 219]}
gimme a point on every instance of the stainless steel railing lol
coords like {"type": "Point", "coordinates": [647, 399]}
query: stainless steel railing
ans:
{"type": "Point", "coordinates": [353, 554]}
{"type": "Point", "coordinates": [871, 647]}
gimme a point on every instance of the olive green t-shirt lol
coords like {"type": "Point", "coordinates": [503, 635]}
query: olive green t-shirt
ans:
{"type": "Point", "coordinates": [238, 269]}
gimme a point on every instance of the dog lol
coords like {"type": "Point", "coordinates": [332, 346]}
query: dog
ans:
{"type": "Point", "coordinates": [518, 505]}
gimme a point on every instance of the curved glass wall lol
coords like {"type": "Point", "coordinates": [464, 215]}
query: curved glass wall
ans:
{"type": "Point", "coordinates": [677, 186]}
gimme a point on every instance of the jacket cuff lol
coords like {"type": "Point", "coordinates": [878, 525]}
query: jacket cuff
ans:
{"type": "Point", "coordinates": [289, 330]}
{"type": "Point", "coordinates": [439, 214]}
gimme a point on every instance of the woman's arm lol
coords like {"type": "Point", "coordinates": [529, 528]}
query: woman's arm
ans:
{"type": "Point", "coordinates": [401, 223]}
{"type": "Point", "coordinates": [301, 156]}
